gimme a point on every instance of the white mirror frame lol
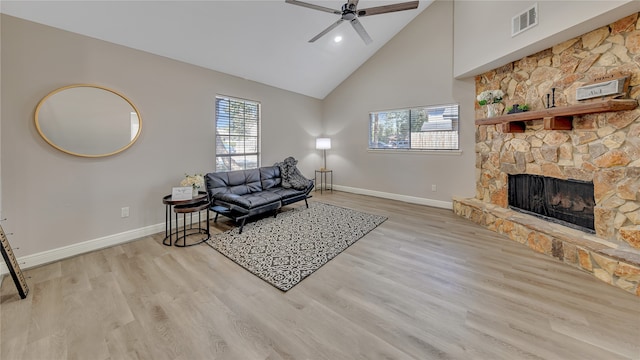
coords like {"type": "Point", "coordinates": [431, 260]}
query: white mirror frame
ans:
{"type": "Point", "coordinates": [46, 112]}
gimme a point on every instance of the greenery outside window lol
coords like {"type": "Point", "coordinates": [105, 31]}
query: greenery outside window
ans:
{"type": "Point", "coordinates": [237, 134]}
{"type": "Point", "coordinates": [420, 128]}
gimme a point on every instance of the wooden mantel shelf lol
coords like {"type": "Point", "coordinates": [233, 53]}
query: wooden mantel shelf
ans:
{"type": "Point", "coordinates": [558, 118]}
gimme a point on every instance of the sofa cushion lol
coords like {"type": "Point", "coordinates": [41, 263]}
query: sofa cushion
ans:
{"type": "Point", "coordinates": [270, 177]}
{"type": "Point", "coordinates": [249, 201]}
{"type": "Point", "coordinates": [239, 182]}
{"type": "Point", "coordinates": [286, 193]}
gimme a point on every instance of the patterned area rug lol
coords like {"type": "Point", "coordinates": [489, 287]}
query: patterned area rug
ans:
{"type": "Point", "coordinates": [286, 249]}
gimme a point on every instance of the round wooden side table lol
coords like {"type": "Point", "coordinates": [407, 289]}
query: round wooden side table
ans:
{"type": "Point", "coordinates": [197, 201]}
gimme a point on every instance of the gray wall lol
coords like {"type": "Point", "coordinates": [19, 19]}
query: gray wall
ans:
{"type": "Point", "coordinates": [414, 69]}
{"type": "Point", "coordinates": [52, 199]}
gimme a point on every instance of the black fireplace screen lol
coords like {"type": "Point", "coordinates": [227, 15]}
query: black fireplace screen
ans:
{"type": "Point", "coordinates": [568, 202]}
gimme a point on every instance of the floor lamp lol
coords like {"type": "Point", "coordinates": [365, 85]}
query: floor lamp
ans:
{"type": "Point", "coordinates": [323, 144]}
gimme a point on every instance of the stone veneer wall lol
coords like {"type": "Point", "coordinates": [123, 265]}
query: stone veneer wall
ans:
{"type": "Point", "coordinates": [603, 148]}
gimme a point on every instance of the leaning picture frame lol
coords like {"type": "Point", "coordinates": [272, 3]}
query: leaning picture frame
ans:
{"type": "Point", "coordinates": [12, 264]}
{"type": "Point", "coordinates": [182, 193]}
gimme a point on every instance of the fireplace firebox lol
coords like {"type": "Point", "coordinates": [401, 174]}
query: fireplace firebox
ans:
{"type": "Point", "coordinates": [567, 202]}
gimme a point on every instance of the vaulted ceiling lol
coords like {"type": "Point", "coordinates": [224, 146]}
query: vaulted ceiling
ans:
{"type": "Point", "coordinates": [264, 41]}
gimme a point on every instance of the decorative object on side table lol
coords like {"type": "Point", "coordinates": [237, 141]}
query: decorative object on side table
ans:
{"type": "Point", "coordinates": [196, 182]}
{"type": "Point", "coordinates": [323, 144]}
{"type": "Point", "coordinates": [491, 98]}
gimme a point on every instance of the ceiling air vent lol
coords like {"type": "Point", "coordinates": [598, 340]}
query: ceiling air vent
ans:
{"type": "Point", "coordinates": [525, 20]}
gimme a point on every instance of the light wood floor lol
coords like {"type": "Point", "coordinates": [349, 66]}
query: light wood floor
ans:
{"type": "Point", "coordinates": [424, 285]}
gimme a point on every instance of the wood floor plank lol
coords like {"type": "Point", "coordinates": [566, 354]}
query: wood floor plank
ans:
{"type": "Point", "coordinates": [425, 284]}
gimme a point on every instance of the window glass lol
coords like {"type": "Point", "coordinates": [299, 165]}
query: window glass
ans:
{"type": "Point", "coordinates": [421, 128]}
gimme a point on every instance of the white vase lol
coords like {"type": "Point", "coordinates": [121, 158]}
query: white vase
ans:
{"type": "Point", "coordinates": [492, 109]}
{"type": "Point", "coordinates": [195, 191]}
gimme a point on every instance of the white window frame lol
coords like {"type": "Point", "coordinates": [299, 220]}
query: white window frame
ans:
{"type": "Point", "coordinates": [237, 150]}
{"type": "Point", "coordinates": [396, 130]}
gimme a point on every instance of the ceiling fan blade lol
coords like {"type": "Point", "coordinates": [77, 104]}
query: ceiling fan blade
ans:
{"type": "Point", "coordinates": [388, 8]}
{"type": "Point", "coordinates": [312, 6]}
{"type": "Point", "coordinates": [361, 31]}
{"type": "Point", "coordinates": [331, 27]}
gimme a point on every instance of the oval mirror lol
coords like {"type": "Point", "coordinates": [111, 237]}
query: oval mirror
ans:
{"type": "Point", "coordinates": [88, 120]}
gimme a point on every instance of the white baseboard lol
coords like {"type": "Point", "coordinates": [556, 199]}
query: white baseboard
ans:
{"type": "Point", "coordinates": [60, 253]}
{"type": "Point", "coordinates": [52, 255]}
{"type": "Point", "coordinates": [405, 198]}
{"type": "Point", "coordinates": [64, 252]}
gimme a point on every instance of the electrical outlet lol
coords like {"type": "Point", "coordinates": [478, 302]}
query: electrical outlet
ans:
{"type": "Point", "coordinates": [124, 212]}
{"type": "Point", "coordinates": [433, 187]}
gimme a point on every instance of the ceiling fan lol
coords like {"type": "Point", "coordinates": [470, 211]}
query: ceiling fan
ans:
{"type": "Point", "coordinates": [351, 13]}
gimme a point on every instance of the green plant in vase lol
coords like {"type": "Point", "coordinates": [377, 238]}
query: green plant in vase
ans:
{"type": "Point", "coordinates": [490, 98]}
{"type": "Point", "coordinates": [517, 108]}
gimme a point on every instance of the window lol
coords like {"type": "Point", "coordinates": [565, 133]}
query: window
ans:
{"type": "Point", "coordinates": [422, 128]}
{"type": "Point", "coordinates": [237, 134]}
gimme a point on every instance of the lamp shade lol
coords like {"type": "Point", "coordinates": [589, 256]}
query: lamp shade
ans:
{"type": "Point", "coordinates": [323, 143]}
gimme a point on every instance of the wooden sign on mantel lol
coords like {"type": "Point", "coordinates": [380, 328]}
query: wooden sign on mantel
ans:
{"type": "Point", "coordinates": [613, 85]}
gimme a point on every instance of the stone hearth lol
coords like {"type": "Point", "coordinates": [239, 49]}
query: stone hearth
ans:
{"type": "Point", "coordinates": [606, 260]}
{"type": "Point", "coordinates": [602, 148]}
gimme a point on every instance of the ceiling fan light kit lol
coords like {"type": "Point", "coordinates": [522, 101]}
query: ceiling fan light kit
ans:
{"type": "Point", "coordinates": [351, 13]}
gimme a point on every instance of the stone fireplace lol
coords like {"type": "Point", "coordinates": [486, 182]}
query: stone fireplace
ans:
{"type": "Point", "coordinates": [599, 153]}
